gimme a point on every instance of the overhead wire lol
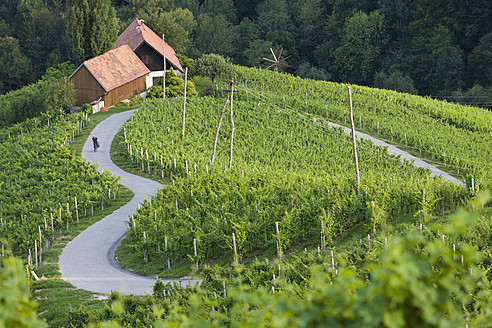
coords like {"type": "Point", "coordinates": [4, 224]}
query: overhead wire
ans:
{"type": "Point", "coordinates": [270, 101]}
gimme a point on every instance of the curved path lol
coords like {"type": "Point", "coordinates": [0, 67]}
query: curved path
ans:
{"type": "Point", "coordinates": [392, 150]}
{"type": "Point", "coordinates": [88, 261]}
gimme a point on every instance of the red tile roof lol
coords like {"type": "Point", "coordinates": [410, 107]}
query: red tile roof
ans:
{"type": "Point", "coordinates": [135, 37]}
{"type": "Point", "coordinates": [116, 67]}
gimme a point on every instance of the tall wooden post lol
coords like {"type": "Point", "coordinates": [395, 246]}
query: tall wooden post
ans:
{"type": "Point", "coordinates": [184, 101]}
{"type": "Point", "coordinates": [353, 139]}
{"type": "Point", "coordinates": [217, 133]}
{"type": "Point", "coordinates": [232, 123]}
{"type": "Point", "coordinates": [164, 72]}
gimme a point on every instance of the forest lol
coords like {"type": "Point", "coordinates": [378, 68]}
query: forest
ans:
{"type": "Point", "coordinates": [434, 48]}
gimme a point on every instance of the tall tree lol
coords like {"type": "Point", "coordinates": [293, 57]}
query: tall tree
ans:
{"type": "Point", "coordinates": [362, 42]}
{"type": "Point", "coordinates": [310, 20]}
{"type": "Point", "coordinates": [15, 67]}
{"type": "Point", "coordinates": [128, 10]}
{"type": "Point", "coordinates": [247, 33]}
{"type": "Point", "coordinates": [215, 34]}
{"type": "Point", "coordinates": [92, 27]}
{"type": "Point", "coordinates": [246, 8]}
{"type": "Point", "coordinates": [177, 25]}
{"type": "Point", "coordinates": [276, 25]}
{"type": "Point", "coordinates": [398, 15]}
{"type": "Point", "coordinates": [224, 7]}
{"type": "Point", "coordinates": [330, 38]}
{"type": "Point", "coordinates": [435, 63]}
{"type": "Point", "coordinates": [466, 21]}
{"type": "Point", "coordinates": [480, 61]}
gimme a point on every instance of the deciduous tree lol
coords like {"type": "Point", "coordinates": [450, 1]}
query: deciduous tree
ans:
{"type": "Point", "coordinates": [362, 42]}
{"type": "Point", "coordinates": [213, 66]}
{"type": "Point", "coordinates": [15, 68]}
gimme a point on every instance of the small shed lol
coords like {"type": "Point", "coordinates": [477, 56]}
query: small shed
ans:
{"type": "Point", "coordinates": [111, 77]}
{"type": "Point", "coordinates": [148, 46]}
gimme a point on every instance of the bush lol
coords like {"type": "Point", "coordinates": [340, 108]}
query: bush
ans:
{"type": "Point", "coordinates": [174, 87]}
{"type": "Point", "coordinates": [52, 92]}
{"type": "Point", "coordinates": [395, 80]}
{"type": "Point", "coordinates": [17, 309]}
{"type": "Point", "coordinates": [213, 66]}
{"type": "Point", "coordinates": [306, 71]}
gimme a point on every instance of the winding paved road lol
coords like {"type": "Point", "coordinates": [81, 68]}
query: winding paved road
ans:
{"type": "Point", "coordinates": [88, 262]}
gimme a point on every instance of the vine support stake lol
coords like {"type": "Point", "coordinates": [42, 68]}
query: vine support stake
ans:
{"type": "Point", "coordinates": [353, 139]}
{"type": "Point", "coordinates": [184, 101]}
{"type": "Point", "coordinates": [36, 252]}
{"type": "Point", "coordinates": [332, 262]}
{"type": "Point", "coordinates": [232, 122]}
{"type": "Point", "coordinates": [423, 204]}
{"type": "Point", "coordinates": [194, 252]}
{"type": "Point", "coordinates": [279, 251]}
{"type": "Point", "coordinates": [235, 249]}
{"type": "Point", "coordinates": [76, 209]}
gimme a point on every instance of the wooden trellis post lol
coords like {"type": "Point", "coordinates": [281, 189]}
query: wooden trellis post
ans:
{"type": "Point", "coordinates": [232, 123]}
{"type": "Point", "coordinates": [353, 140]}
{"type": "Point", "coordinates": [184, 101]}
{"type": "Point", "coordinates": [217, 133]}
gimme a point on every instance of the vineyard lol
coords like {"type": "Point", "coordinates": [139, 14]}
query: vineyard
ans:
{"type": "Point", "coordinates": [287, 179]}
{"type": "Point", "coordinates": [44, 186]}
{"type": "Point", "coordinates": [267, 174]}
{"type": "Point", "coordinates": [291, 179]}
{"type": "Point", "coordinates": [455, 136]}
{"type": "Point", "coordinates": [408, 274]}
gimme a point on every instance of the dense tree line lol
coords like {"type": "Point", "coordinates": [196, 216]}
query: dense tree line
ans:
{"type": "Point", "coordinates": [439, 48]}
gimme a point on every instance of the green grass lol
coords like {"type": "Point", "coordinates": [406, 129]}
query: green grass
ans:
{"type": "Point", "coordinates": [55, 297]}
{"type": "Point", "coordinates": [95, 119]}
{"type": "Point", "coordinates": [202, 84]}
{"type": "Point", "coordinates": [120, 159]}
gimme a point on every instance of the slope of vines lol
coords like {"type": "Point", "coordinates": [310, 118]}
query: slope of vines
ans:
{"type": "Point", "coordinates": [291, 178]}
{"type": "Point", "coordinates": [43, 184]}
{"type": "Point", "coordinates": [431, 276]}
{"type": "Point", "coordinates": [454, 135]}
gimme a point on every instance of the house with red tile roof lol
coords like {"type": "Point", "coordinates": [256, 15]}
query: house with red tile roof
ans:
{"type": "Point", "coordinates": [149, 47]}
{"type": "Point", "coordinates": [110, 78]}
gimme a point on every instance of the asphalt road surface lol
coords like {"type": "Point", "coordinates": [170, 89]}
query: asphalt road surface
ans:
{"type": "Point", "coordinates": [88, 262]}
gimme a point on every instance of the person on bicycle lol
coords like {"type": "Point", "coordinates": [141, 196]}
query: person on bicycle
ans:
{"type": "Point", "coordinates": [95, 142]}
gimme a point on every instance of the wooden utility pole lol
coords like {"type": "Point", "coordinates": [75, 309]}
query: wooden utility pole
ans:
{"type": "Point", "coordinates": [353, 139]}
{"type": "Point", "coordinates": [232, 122]}
{"type": "Point", "coordinates": [217, 133]}
{"type": "Point", "coordinates": [184, 101]}
{"type": "Point", "coordinates": [164, 72]}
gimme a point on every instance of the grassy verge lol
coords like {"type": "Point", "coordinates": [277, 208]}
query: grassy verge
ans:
{"type": "Point", "coordinates": [202, 84]}
{"type": "Point", "coordinates": [54, 295]}
{"type": "Point", "coordinates": [95, 119]}
{"type": "Point", "coordinates": [119, 159]}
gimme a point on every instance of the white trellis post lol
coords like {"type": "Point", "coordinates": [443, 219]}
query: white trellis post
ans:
{"type": "Point", "coordinates": [164, 71]}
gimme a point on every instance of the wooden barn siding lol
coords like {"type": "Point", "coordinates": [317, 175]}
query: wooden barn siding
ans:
{"type": "Point", "coordinates": [86, 86]}
{"type": "Point", "coordinates": [151, 58]}
{"type": "Point", "coordinates": [125, 91]}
